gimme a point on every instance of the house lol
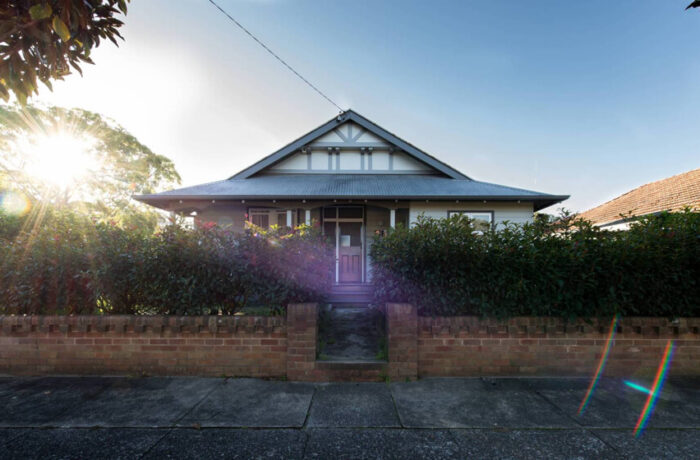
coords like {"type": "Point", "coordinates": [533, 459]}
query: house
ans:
{"type": "Point", "coordinates": [355, 179]}
{"type": "Point", "coordinates": [671, 194]}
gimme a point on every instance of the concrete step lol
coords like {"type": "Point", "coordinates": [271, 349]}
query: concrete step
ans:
{"type": "Point", "coordinates": [351, 293]}
{"type": "Point", "coordinates": [352, 370]}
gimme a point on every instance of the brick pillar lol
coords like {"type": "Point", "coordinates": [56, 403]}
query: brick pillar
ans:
{"type": "Point", "coordinates": [402, 335]}
{"type": "Point", "coordinates": [302, 321]}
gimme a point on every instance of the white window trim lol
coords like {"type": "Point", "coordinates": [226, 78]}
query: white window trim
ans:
{"type": "Point", "coordinates": [473, 214]}
{"type": "Point", "coordinates": [273, 215]}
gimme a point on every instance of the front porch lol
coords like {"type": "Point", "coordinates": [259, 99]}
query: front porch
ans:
{"type": "Point", "coordinates": [349, 226]}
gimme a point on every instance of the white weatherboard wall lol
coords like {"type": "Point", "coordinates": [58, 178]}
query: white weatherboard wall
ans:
{"type": "Point", "coordinates": [514, 212]}
{"type": "Point", "coordinates": [228, 216]}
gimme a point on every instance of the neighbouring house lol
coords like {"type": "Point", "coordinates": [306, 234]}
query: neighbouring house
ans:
{"type": "Point", "coordinates": [355, 179]}
{"type": "Point", "coordinates": [671, 194]}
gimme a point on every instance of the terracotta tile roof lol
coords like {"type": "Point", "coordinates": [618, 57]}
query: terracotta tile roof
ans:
{"type": "Point", "coordinates": [671, 194]}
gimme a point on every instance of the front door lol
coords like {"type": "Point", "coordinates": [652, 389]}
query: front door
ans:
{"type": "Point", "coordinates": [350, 252]}
{"type": "Point", "coordinates": [344, 226]}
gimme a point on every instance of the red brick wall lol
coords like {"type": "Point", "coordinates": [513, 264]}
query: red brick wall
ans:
{"type": "Point", "coordinates": [401, 328]}
{"type": "Point", "coordinates": [302, 326]}
{"type": "Point", "coordinates": [157, 345]}
{"type": "Point", "coordinates": [278, 347]}
{"type": "Point", "coordinates": [469, 346]}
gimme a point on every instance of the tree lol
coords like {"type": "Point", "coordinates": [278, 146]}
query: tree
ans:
{"type": "Point", "coordinates": [40, 40]}
{"type": "Point", "coordinates": [77, 158]}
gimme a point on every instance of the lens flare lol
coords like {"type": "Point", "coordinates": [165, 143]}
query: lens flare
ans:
{"type": "Point", "coordinates": [14, 203]}
{"type": "Point", "coordinates": [655, 390]}
{"type": "Point", "coordinates": [60, 159]}
{"type": "Point", "coordinates": [601, 366]}
{"type": "Point", "coordinates": [637, 387]}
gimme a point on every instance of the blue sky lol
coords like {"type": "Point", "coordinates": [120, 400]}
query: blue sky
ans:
{"type": "Point", "coordinates": [586, 98]}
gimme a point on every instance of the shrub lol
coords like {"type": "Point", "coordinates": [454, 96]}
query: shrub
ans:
{"type": "Point", "coordinates": [70, 265]}
{"type": "Point", "coordinates": [543, 269]}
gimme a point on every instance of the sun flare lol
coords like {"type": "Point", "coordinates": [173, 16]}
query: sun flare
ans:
{"type": "Point", "coordinates": [61, 159]}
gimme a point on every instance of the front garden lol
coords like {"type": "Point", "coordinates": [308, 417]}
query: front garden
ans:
{"type": "Point", "coordinates": [566, 268]}
{"type": "Point", "coordinates": [61, 263]}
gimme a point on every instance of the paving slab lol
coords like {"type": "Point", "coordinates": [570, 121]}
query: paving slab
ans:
{"type": "Point", "coordinates": [253, 403]}
{"type": "Point", "coordinates": [8, 434]}
{"type": "Point", "coordinates": [474, 403]}
{"type": "Point", "coordinates": [353, 405]}
{"type": "Point", "coordinates": [654, 443]}
{"type": "Point", "coordinates": [532, 444]}
{"type": "Point", "coordinates": [82, 444]}
{"type": "Point", "coordinates": [230, 443]}
{"type": "Point", "coordinates": [615, 405]}
{"type": "Point", "coordinates": [140, 402]}
{"type": "Point", "coordinates": [28, 402]}
{"type": "Point", "coordinates": [381, 444]}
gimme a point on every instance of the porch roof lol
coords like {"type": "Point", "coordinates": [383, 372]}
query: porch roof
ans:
{"type": "Point", "coordinates": [351, 186]}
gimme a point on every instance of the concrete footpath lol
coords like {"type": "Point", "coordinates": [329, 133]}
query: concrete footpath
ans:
{"type": "Point", "coordinates": [119, 417]}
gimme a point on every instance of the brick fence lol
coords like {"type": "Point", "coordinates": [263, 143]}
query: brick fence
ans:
{"type": "Point", "coordinates": [280, 347]}
{"type": "Point", "coordinates": [470, 346]}
{"type": "Point", "coordinates": [154, 345]}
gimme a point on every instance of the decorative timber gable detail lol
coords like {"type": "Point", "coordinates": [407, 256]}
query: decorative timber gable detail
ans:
{"type": "Point", "coordinates": [349, 144]}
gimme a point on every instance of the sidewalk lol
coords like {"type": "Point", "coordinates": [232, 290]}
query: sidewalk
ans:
{"type": "Point", "coordinates": [118, 417]}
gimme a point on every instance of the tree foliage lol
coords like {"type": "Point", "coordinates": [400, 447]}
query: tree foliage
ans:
{"type": "Point", "coordinates": [566, 268]}
{"type": "Point", "coordinates": [122, 166]}
{"type": "Point", "coordinates": [41, 40]}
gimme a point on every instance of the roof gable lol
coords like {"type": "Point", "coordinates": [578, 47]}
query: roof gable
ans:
{"type": "Point", "coordinates": [354, 130]}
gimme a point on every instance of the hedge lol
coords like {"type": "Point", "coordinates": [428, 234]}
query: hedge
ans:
{"type": "Point", "coordinates": [69, 265]}
{"type": "Point", "coordinates": [564, 269]}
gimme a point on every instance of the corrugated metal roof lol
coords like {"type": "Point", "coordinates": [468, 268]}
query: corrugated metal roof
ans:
{"type": "Point", "coordinates": [352, 186]}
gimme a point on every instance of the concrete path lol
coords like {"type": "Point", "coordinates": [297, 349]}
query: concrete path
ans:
{"type": "Point", "coordinates": [352, 334]}
{"type": "Point", "coordinates": [117, 417]}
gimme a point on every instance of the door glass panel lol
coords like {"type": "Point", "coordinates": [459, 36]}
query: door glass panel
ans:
{"type": "Point", "coordinates": [350, 213]}
{"type": "Point", "coordinates": [282, 219]}
{"type": "Point", "coordinates": [351, 232]}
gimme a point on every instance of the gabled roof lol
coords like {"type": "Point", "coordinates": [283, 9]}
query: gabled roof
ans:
{"type": "Point", "coordinates": [351, 186]}
{"type": "Point", "coordinates": [448, 184]}
{"type": "Point", "coordinates": [327, 127]}
{"type": "Point", "coordinates": [670, 194]}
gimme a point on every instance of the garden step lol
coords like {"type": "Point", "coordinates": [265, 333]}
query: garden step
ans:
{"type": "Point", "coordinates": [354, 370]}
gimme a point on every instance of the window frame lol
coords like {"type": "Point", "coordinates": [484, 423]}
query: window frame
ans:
{"type": "Point", "coordinates": [491, 214]}
{"type": "Point", "coordinates": [272, 215]}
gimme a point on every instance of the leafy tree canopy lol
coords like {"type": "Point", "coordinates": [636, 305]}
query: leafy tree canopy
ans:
{"type": "Point", "coordinates": [42, 40]}
{"type": "Point", "coordinates": [77, 158]}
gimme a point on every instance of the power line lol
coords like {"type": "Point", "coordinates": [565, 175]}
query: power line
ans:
{"type": "Point", "coordinates": [275, 55]}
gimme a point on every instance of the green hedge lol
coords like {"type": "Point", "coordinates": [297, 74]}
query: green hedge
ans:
{"type": "Point", "coordinates": [64, 264]}
{"type": "Point", "coordinates": [565, 269]}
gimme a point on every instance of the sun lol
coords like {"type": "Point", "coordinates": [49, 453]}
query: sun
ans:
{"type": "Point", "coordinates": [60, 159]}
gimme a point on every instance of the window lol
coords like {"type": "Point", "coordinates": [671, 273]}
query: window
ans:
{"type": "Point", "coordinates": [266, 217]}
{"type": "Point", "coordinates": [481, 220]}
